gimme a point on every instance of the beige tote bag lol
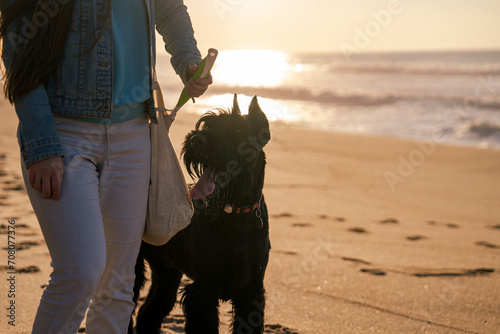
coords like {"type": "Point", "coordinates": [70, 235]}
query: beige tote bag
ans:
{"type": "Point", "coordinates": [169, 206]}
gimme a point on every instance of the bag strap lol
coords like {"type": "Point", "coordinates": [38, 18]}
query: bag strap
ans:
{"type": "Point", "coordinates": [159, 103]}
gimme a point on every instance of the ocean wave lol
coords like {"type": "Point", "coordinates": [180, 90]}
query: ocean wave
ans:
{"type": "Point", "coordinates": [304, 94]}
{"type": "Point", "coordinates": [355, 97]}
{"type": "Point", "coordinates": [489, 103]}
{"type": "Point", "coordinates": [416, 68]}
{"type": "Point", "coordinates": [434, 63]}
{"type": "Point", "coordinates": [480, 128]}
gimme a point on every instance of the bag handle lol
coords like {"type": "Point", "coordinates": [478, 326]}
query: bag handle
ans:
{"type": "Point", "coordinates": [159, 103]}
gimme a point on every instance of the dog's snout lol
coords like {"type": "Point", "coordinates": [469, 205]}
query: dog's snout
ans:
{"type": "Point", "coordinates": [198, 140]}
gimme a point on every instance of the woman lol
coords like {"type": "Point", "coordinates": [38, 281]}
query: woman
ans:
{"type": "Point", "coordinates": [80, 74]}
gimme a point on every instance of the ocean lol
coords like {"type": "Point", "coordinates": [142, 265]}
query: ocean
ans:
{"type": "Point", "coordinates": [446, 97]}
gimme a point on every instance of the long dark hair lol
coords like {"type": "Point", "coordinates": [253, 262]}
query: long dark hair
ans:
{"type": "Point", "coordinates": [39, 37]}
{"type": "Point", "coordinates": [38, 40]}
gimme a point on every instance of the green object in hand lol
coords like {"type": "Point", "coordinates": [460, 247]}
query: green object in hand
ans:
{"type": "Point", "coordinates": [202, 71]}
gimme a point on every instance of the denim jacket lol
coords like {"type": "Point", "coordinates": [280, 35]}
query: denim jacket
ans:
{"type": "Point", "coordinates": [82, 83]}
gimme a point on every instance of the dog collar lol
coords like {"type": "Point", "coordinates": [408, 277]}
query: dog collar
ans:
{"type": "Point", "coordinates": [231, 208]}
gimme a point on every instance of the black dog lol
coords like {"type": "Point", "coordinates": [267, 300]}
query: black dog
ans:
{"type": "Point", "coordinates": [225, 249]}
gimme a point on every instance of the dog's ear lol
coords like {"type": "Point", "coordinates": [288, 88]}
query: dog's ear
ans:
{"type": "Point", "coordinates": [258, 122]}
{"type": "Point", "coordinates": [236, 107]}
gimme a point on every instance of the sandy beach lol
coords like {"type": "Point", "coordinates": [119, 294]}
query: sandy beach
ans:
{"type": "Point", "coordinates": [369, 235]}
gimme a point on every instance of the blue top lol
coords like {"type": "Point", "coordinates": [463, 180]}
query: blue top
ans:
{"type": "Point", "coordinates": [130, 59]}
{"type": "Point", "coordinates": [130, 62]}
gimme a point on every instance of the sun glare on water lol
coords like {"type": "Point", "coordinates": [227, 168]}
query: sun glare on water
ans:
{"type": "Point", "coordinates": [254, 68]}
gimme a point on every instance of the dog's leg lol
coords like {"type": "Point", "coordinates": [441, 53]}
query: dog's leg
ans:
{"type": "Point", "coordinates": [201, 310]}
{"type": "Point", "coordinates": [161, 297]}
{"type": "Point", "coordinates": [140, 279]}
{"type": "Point", "coordinates": [248, 309]}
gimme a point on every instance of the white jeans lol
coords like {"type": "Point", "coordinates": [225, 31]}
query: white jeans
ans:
{"type": "Point", "coordinates": [93, 232]}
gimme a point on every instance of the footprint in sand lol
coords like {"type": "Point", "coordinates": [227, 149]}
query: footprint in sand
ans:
{"type": "Point", "coordinates": [415, 237]}
{"type": "Point", "coordinates": [282, 215]}
{"type": "Point", "coordinates": [302, 225]}
{"type": "Point", "coordinates": [375, 272]}
{"type": "Point", "coordinates": [278, 329]}
{"type": "Point", "coordinates": [18, 187]}
{"type": "Point", "coordinates": [4, 228]}
{"type": "Point", "coordinates": [448, 225]}
{"type": "Point", "coordinates": [28, 270]}
{"type": "Point", "coordinates": [453, 272]}
{"type": "Point", "coordinates": [371, 271]}
{"type": "Point", "coordinates": [3, 197]}
{"type": "Point", "coordinates": [24, 245]}
{"type": "Point", "coordinates": [284, 252]}
{"type": "Point", "coordinates": [359, 230]}
{"type": "Point", "coordinates": [352, 259]}
{"type": "Point", "coordinates": [337, 219]}
{"type": "Point", "coordinates": [389, 221]}
{"type": "Point", "coordinates": [486, 244]}
{"type": "Point", "coordinates": [433, 272]}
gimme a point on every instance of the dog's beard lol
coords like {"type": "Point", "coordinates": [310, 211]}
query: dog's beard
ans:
{"type": "Point", "coordinates": [209, 165]}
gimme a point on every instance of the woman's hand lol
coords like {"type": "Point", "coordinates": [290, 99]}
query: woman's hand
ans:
{"type": "Point", "coordinates": [45, 176]}
{"type": "Point", "coordinates": [196, 88]}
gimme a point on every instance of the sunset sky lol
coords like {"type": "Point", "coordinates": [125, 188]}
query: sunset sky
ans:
{"type": "Point", "coordinates": [358, 25]}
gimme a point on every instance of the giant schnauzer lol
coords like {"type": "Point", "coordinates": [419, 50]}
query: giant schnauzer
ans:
{"type": "Point", "coordinates": [225, 249]}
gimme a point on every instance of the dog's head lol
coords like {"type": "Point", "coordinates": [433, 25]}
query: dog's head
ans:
{"type": "Point", "coordinates": [225, 153]}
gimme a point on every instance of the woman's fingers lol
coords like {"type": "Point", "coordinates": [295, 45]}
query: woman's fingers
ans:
{"type": "Point", "coordinates": [45, 176]}
{"type": "Point", "coordinates": [46, 187]}
{"type": "Point", "coordinates": [198, 87]}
